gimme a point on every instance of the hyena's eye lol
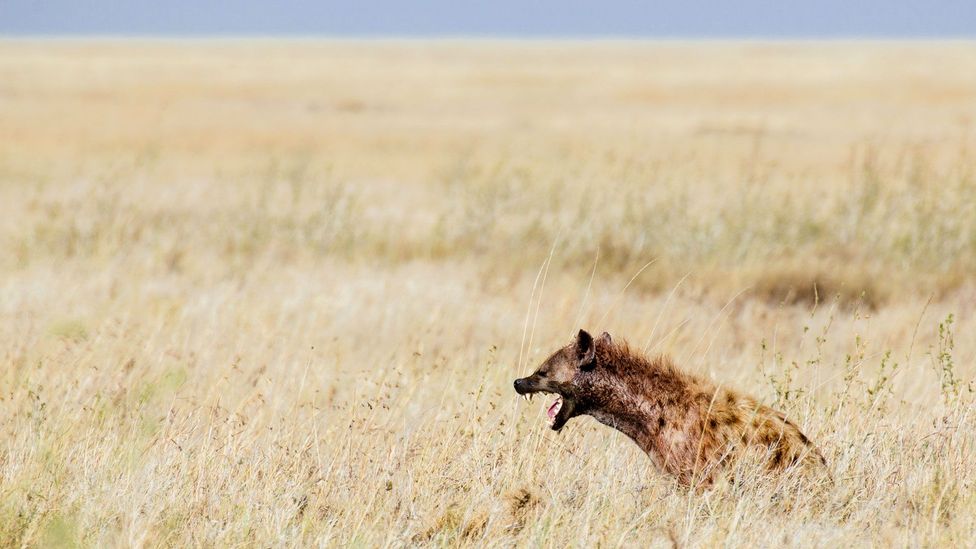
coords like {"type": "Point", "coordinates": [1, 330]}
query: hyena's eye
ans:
{"type": "Point", "coordinates": [543, 374]}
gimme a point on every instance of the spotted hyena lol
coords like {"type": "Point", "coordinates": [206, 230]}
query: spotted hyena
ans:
{"type": "Point", "coordinates": [688, 426]}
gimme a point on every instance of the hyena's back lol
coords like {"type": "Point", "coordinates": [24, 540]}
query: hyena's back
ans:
{"type": "Point", "coordinates": [734, 425]}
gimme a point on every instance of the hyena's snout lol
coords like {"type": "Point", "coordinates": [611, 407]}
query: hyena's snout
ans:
{"type": "Point", "coordinates": [532, 384]}
{"type": "Point", "coordinates": [528, 386]}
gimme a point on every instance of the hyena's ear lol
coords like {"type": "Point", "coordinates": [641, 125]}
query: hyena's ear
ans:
{"type": "Point", "coordinates": [604, 338]}
{"type": "Point", "coordinates": [585, 351]}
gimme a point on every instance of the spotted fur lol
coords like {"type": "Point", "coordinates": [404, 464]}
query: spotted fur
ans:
{"type": "Point", "coordinates": [688, 426]}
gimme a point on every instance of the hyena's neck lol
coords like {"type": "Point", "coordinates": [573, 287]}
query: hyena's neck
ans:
{"type": "Point", "coordinates": [644, 398]}
{"type": "Point", "coordinates": [635, 426]}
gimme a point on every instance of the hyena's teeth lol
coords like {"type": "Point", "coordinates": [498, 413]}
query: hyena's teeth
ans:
{"type": "Point", "coordinates": [525, 398]}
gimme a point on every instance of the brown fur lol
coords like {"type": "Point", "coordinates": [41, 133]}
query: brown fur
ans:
{"type": "Point", "coordinates": [689, 427]}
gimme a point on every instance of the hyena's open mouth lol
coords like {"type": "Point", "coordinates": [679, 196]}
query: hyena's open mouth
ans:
{"type": "Point", "coordinates": [552, 411]}
{"type": "Point", "coordinates": [560, 410]}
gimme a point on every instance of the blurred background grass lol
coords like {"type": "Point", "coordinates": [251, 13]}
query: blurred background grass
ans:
{"type": "Point", "coordinates": [778, 166]}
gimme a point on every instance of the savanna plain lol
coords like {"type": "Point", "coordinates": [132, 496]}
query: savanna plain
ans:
{"type": "Point", "coordinates": [274, 293]}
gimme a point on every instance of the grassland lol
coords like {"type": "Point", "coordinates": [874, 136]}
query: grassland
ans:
{"type": "Point", "coordinates": [275, 293]}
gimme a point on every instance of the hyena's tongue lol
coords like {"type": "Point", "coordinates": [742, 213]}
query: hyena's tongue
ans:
{"type": "Point", "coordinates": [554, 409]}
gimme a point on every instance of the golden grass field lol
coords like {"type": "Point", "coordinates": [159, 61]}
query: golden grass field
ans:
{"type": "Point", "coordinates": [274, 293]}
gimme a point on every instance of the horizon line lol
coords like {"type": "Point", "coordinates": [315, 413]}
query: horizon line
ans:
{"type": "Point", "coordinates": [501, 37]}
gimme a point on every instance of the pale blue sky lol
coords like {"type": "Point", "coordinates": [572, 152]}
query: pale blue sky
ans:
{"type": "Point", "coordinates": [495, 18]}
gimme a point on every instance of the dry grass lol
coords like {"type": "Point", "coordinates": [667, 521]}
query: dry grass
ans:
{"type": "Point", "coordinates": [275, 293]}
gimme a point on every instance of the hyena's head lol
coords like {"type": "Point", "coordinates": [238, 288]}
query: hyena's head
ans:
{"type": "Point", "coordinates": [567, 374]}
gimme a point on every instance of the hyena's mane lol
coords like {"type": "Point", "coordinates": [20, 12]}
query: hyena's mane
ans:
{"type": "Point", "coordinates": [648, 373]}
